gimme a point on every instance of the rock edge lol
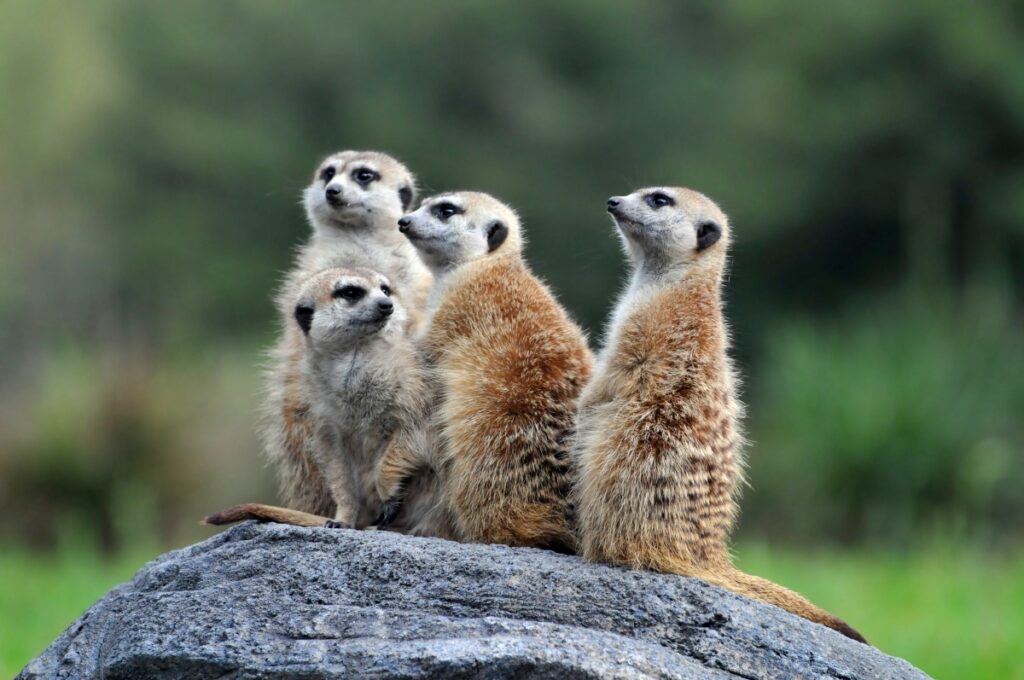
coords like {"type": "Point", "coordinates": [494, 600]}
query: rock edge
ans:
{"type": "Point", "coordinates": [273, 601]}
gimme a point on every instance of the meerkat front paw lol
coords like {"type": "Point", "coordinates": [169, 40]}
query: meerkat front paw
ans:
{"type": "Point", "coordinates": [336, 524]}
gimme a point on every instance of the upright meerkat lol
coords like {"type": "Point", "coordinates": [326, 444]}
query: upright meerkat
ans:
{"type": "Point", "coordinates": [353, 202]}
{"type": "Point", "coordinates": [368, 394]}
{"type": "Point", "coordinates": [368, 390]}
{"type": "Point", "coordinates": [659, 426]}
{"type": "Point", "coordinates": [508, 365]}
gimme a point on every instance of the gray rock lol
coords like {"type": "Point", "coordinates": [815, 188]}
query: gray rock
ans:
{"type": "Point", "coordinates": [271, 601]}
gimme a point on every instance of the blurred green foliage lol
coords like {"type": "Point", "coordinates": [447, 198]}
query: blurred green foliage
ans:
{"type": "Point", "coordinates": [870, 154]}
{"type": "Point", "coordinates": [890, 421]}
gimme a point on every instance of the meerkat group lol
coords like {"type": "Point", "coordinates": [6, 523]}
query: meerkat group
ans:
{"type": "Point", "coordinates": [426, 381]}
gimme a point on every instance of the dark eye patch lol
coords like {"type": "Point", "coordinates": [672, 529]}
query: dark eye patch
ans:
{"type": "Point", "coordinates": [350, 293]}
{"type": "Point", "coordinates": [365, 176]}
{"type": "Point", "coordinates": [445, 210]}
{"type": "Point", "coordinates": [327, 174]}
{"type": "Point", "coordinates": [658, 199]}
{"type": "Point", "coordinates": [386, 289]}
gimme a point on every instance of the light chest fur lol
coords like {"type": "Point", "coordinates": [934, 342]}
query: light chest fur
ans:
{"type": "Point", "coordinates": [357, 392]}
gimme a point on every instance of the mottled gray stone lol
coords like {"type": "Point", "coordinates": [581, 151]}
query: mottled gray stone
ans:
{"type": "Point", "coordinates": [271, 601]}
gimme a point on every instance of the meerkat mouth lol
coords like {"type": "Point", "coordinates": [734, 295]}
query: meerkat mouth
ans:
{"type": "Point", "coordinates": [623, 222]}
{"type": "Point", "coordinates": [380, 321]}
{"type": "Point", "coordinates": [343, 217]}
{"type": "Point", "coordinates": [423, 237]}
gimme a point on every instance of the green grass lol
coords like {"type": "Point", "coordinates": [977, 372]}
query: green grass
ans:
{"type": "Point", "coordinates": [41, 594]}
{"type": "Point", "coordinates": [953, 613]}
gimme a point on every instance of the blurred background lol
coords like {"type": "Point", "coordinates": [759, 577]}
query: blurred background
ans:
{"type": "Point", "coordinates": [870, 156]}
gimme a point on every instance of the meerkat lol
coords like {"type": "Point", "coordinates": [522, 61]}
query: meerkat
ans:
{"type": "Point", "coordinates": [352, 203]}
{"type": "Point", "coordinates": [508, 365]}
{"type": "Point", "coordinates": [368, 394]}
{"type": "Point", "coordinates": [659, 442]}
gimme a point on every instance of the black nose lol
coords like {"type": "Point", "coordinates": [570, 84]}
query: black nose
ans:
{"type": "Point", "coordinates": [613, 204]}
{"type": "Point", "coordinates": [333, 195]}
{"type": "Point", "coordinates": [386, 307]}
{"type": "Point", "coordinates": [403, 224]}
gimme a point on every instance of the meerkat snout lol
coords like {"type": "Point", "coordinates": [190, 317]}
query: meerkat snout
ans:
{"type": "Point", "coordinates": [333, 196]}
{"type": "Point", "coordinates": [403, 224]}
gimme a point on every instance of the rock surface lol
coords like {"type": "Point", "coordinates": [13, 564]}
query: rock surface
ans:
{"type": "Point", "coordinates": [272, 601]}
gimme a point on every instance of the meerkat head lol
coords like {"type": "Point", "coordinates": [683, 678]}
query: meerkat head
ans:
{"type": "Point", "coordinates": [353, 189]}
{"type": "Point", "coordinates": [663, 226]}
{"type": "Point", "coordinates": [339, 307]}
{"type": "Point", "coordinates": [455, 228]}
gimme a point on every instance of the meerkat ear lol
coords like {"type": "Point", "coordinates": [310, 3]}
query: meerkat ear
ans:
{"type": "Point", "coordinates": [304, 317]}
{"type": "Point", "coordinates": [497, 232]}
{"type": "Point", "coordinates": [708, 234]}
{"type": "Point", "coordinates": [406, 195]}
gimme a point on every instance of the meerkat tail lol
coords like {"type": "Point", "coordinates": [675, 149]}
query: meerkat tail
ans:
{"type": "Point", "coordinates": [265, 513]}
{"type": "Point", "coordinates": [766, 591]}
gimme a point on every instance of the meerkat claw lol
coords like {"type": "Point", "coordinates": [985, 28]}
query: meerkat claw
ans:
{"type": "Point", "coordinates": [388, 514]}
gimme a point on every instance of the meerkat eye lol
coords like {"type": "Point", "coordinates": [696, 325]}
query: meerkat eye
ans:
{"type": "Point", "coordinates": [443, 211]}
{"type": "Point", "coordinates": [365, 176]}
{"type": "Point", "coordinates": [658, 200]}
{"type": "Point", "coordinates": [350, 293]}
{"type": "Point", "coordinates": [327, 174]}
{"type": "Point", "coordinates": [386, 289]}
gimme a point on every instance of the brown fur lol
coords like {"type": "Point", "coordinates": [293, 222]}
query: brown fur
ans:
{"type": "Point", "coordinates": [508, 365]}
{"type": "Point", "coordinates": [511, 365]}
{"type": "Point", "coordinates": [659, 443]}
